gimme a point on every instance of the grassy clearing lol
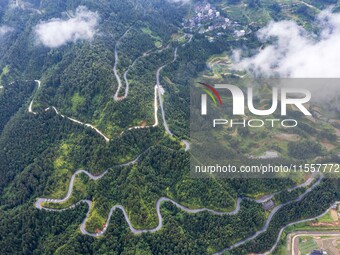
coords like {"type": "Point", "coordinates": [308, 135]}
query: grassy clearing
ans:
{"type": "Point", "coordinates": [5, 71]}
{"type": "Point", "coordinates": [158, 44]}
{"type": "Point", "coordinates": [326, 218]}
{"type": "Point", "coordinates": [80, 191]}
{"type": "Point", "coordinates": [156, 38]}
{"type": "Point", "coordinates": [307, 244]}
{"type": "Point", "coordinates": [77, 102]}
{"type": "Point", "coordinates": [61, 176]}
{"type": "Point", "coordinates": [95, 221]}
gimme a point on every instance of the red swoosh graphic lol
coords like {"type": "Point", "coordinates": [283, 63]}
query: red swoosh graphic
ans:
{"type": "Point", "coordinates": [213, 90]}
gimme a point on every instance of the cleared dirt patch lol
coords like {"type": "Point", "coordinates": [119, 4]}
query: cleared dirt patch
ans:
{"type": "Point", "coordinates": [334, 215]}
{"type": "Point", "coordinates": [328, 146]}
{"type": "Point", "coordinates": [287, 137]}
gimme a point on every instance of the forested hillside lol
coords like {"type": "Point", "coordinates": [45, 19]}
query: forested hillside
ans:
{"type": "Point", "coordinates": [63, 109]}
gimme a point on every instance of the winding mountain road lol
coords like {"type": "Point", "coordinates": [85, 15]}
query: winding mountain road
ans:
{"type": "Point", "coordinates": [160, 201]}
{"type": "Point", "coordinates": [157, 93]}
{"type": "Point", "coordinates": [187, 145]}
{"type": "Point", "coordinates": [159, 215]}
{"type": "Point", "coordinates": [158, 88]}
{"type": "Point", "coordinates": [119, 81]}
{"type": "Point", "coordinates": [40, 201]}
{"type": "Point", "coordinates": [158, 96]}
{"type": "Point", "coordinates": [160, 93]}
{"type": "Point", "coordinates": [30, 110]}
{"type": "Point", "coordinates": [302, 185]}
{"type": "Point", "coordinates": [31, 103]}
{"type": "Point", "coordinates": [127, 84]}
{"type": "Point", "coordinates": [39, 204]}
{"type": "Point", "coordinates": [291, 224]}
{"type": "Point", "coordinates": [116, 97]}
{"type": "Point", "coordinates": [270, 217]}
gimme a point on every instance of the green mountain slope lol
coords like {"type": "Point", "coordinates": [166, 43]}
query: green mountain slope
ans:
{"type": "Point", "coordinates": [78, 121]}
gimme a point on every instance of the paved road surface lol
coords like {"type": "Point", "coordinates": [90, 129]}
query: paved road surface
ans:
{"type": "Point", "coordinates": [269, 219]}
{"type": "Point", "coordinates": [161, 200]}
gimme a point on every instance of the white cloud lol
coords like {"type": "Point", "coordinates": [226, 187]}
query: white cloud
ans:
{"type": "Point", "coordinates": [4, 30]}
{"type": "Point", "coordinates": [57, 32]}
{"type": "Point", "coordinates": [295, 52]}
